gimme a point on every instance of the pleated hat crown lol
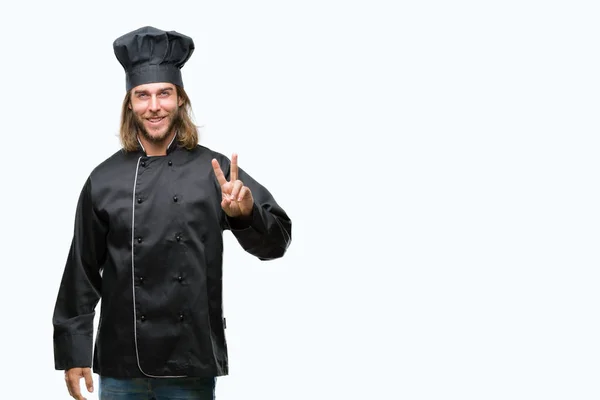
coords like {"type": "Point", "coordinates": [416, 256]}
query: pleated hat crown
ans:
{"type": "Point", "coordinates": [151, 55]}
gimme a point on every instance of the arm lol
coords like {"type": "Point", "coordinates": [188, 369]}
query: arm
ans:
{"type": "Point", "coordinates": [259, 224]}
{"type": "Point", "coordinates": [80, 287]}
{"type": "Point", "coordinates": [267, 232]}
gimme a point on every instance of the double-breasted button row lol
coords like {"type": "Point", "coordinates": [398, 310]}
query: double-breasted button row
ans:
{"type": "Point", "coordinates": [141, 200]}
{"type": "Point", "coordinates": [141, 279]}
{"type": "Point", "coordinates": [143, 317]}
{"type": "Point", "coordinates": [178, 237]}
{"type": "Point", "coordinates": [143, 163]}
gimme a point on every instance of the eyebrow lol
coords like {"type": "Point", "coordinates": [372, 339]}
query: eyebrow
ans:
{"type": "Point", "coordinates": [165, 89]}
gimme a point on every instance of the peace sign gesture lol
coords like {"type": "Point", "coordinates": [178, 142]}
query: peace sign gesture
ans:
{"type": "Point", "coordinates": [237, 198]}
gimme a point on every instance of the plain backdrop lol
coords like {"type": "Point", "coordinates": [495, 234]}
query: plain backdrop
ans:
{"type": "Point", "coordinates": [439, 161]}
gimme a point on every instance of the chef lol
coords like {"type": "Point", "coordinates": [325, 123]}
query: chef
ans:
{"type": "Point", "coordinates": [148, 239]}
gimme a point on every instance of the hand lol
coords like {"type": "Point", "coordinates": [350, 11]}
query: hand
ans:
{"type": "Point", "coordinates": [237, 198]}
{"type": "Point", "coordinates": [72, 377]}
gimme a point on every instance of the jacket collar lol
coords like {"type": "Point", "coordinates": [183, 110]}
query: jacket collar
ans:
{"type": "Point", "coordinates": [172, 145]}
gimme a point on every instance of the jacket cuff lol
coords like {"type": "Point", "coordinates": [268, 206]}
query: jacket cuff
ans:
{"type": "Point", "coordinates": [254, 220]}
{"type": "Point", "coordinates": [73, 351]}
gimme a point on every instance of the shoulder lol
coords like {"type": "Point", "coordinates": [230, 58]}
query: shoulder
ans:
{"type": "Point", "coordinates": [120, 162]}
{"type": "Point", "coordinates": [208, 153]}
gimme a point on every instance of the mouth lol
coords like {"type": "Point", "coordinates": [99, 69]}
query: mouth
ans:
{"type": "Point", "coordinates": [155, 120]}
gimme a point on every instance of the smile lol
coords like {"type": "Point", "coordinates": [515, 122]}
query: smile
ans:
{"type": "Point", "coordinates": [155, 121]}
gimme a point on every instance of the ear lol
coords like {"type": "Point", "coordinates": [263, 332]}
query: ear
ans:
{"type": "Point", "coordinates": [180, 102]}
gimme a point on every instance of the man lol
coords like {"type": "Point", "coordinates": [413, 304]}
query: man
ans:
{"type": "Point", "coordinates": [148, 242]}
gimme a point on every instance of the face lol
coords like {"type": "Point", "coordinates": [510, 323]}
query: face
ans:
{"type": "Point", "coordinates": [155, 107]}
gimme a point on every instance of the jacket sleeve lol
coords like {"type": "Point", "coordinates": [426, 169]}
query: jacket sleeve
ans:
{"type": "Point", "coordinates": [268, 233]}
{"type": "Point", "coordinates": [80, 287]}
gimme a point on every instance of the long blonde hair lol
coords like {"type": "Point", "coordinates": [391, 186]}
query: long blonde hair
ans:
{"type": "Point", "coordinates": [187, 131]}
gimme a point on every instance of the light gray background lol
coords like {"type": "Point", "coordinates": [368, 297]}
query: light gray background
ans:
{"type": "Point", "coordinates": [439, 161]}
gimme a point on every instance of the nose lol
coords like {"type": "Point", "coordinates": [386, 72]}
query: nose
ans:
{"type": "Point", "coordinates": [154, 104]}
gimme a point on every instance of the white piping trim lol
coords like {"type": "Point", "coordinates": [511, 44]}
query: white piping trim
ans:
{"type": "Point", "coordinates": [144, 149]}
{"type": "Point", "coordinates": [137, 355]}
{"type": "Point", "coordinates": [171, 142]}
{"type": "Point", "coordinates": [141, 145]}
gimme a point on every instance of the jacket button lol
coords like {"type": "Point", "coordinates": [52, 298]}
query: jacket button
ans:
{"type": "Point", "coordinates": [180, 278]}
{"type": "Point", "coordinates": [143, 163]}
{"type": "Point", "coordinates": [181, 316]}
{"type": "Point", "coordinates": [139, 240]}
{"type": "Point", "coordinates": [143, 317]}
{"type": "Point", "coordinates": [170, 163]}
{"type": "Point", "coordinates": [178, 238]}
{"type": "Point", "coordinates": [203, 238]}
{"type": "Point", "coordinates": [141, 278]}
{"type": "Point", "coordinates": [139, 200]}
{"type": "Point", "coordinates": [175, 199]}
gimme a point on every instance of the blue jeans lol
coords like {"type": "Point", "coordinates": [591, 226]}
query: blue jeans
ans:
{"type": "Point", "coordinates": [156, 388]}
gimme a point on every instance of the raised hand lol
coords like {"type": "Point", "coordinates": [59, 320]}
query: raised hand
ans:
{"type": "Point", "coordinates": [237, 198]}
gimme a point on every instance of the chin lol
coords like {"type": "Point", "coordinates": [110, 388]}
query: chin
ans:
{"type": "Point", "coordinates": [155, 134]}
{"type": "Point", "coordinates": [158, 135]}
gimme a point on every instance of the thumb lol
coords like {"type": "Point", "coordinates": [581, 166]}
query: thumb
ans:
{"type": "Point", "coordinates": [89, 382]}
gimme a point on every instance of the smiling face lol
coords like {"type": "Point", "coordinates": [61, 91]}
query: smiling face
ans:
{"type": "Point", "coordinates": [155, 107]}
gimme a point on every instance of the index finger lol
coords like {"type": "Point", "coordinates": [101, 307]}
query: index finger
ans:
{"type": "Point", "coordinates": [218, 172]}
{"type": "Point", "coordinates": [234, 168]}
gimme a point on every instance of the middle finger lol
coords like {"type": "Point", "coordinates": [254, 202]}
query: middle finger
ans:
{"type": "Point", "coordinates": [237, 186]}
{"type": "Point", "coordinates": [234, 168]}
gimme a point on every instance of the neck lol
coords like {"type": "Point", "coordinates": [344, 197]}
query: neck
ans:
{"type": "Point", "coordinates": [156, 148]}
